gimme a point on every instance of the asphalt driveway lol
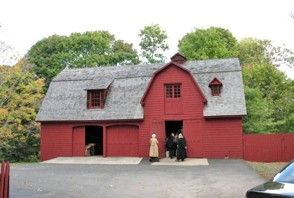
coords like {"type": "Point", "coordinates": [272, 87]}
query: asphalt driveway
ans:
{"type": "Point", "coordinates": [222, 178]}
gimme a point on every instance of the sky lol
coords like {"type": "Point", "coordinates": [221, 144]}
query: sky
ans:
{"type": "Point", "coordinates": [23, 23]}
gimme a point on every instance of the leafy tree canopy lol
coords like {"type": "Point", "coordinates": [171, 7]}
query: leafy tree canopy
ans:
{"type": "Point", "coordinates": [20, 96]}
{"type": "Point", "coordinates": [269, 99]}
{"type": "Point", "coordinates": [153, 43]}
{"type": "Point", "coordinates": [210, 43]}
{"type": "Point", "coordinates": [255, 51]}
{"type": "Point", "coordinates": [90, 49]}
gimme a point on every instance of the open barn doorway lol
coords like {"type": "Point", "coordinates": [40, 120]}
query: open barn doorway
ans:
{"type": "Point", "coordinates": [173, 127]}
{"type": "Point", "coordinates": [94, 140]}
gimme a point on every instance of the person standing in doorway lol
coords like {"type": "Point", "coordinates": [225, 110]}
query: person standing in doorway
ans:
{"type": "Point", "coordinates": [181, 148]}
{"type": "Point", "coordinates": [153, 151]}
{"type": "Point", "coordinates": [170, 145]}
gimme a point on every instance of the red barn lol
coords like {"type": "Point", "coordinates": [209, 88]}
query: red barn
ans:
{"type": "Point", "coordinates": [118, 108]}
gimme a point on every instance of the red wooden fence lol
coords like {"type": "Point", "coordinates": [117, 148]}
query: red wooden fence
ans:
{"type": "Point", "coordinates": [268, 147]}
{"type": "Point", "coordinates": [4, 180]}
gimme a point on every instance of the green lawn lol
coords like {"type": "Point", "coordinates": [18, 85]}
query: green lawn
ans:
{"type": "Point", "coordinates": [267, 170]}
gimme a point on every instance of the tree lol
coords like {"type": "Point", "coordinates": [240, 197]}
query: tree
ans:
{"type": "Point", "coordinates": [253, 51]}
{"type": "Point", "coordinates": [153, 43]}
{"type": "Point", "coordinates": [259, 113]}
{"type": "Point", "coordinates": [210, 43]}
{"type": "Point", "coordinates": [20, 97]}
{"type": "Point", "coordinates": [90, 49]}
{"type": "Point", "coordinates": [269, 99]}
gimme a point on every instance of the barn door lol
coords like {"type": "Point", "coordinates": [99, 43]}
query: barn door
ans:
{"type": "Point", "coordinates": [193, 132]}
{"type": "Point", "coordinates": [158, 129]}
{"type": "Point", "coordinates": [78, 141]}
{"type": "Point", "coordinates": [122, 140]}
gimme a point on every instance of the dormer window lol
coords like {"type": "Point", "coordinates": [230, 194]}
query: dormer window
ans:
{"type": "Point", "coordinates": [173, 90]}
{"type": "Point", "coordinates": [215, 86]}
{"type": "Point", "coordinates": [96, 98]}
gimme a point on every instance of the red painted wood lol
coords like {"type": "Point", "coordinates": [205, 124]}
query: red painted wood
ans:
{"type": "Point", "coordinates": [122, 141]}
{"type": "Point", "coordinates": [104, 142]}
{"type": "Point", "coordinates": [6, 180]}
{"type": "Point", "coordinates": [268, 147]}
{"type": "Point", "coordinates": [56, 140]}
{"type": "Point", "coordinates": [215, 138]}
{"type": "Point", "coordinates": [78, 145]}
{"type": "Point", "coordinates": [223, 138]}
{"type": "Point", "coordinates": [158, 129]}
{"type": "Point", "coordinates": [193, 133]}
{"type": "Point", "coordinates": [163, 70]}
{"type": "Point", "coordinates": [2, 177]}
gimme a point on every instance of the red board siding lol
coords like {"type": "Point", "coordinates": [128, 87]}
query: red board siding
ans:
{"type": "Point", "coordinates": [122, 141]}
{"type": "Point", "coordinates": [56, 140]}
{"type": "Point", "coordinates": [193, 132]}
{"type": "Point", "coordinates": [269, 147]}
{"type": "Point", "coordinates": [158, 109]}
{"type": "Point", "coordinates": [78, 145]}
{"type": "Point", "coordinates": [223, 138]}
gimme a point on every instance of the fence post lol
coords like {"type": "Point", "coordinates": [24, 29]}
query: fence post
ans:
{"type": "Point", "coordinates": [6, 181]}
{"type": "Point", "coordinates": [283, 148]}
{"type": "Point", "coordinates": [2, 180]}
{"type": "Point", "coordinates": [244, 147]}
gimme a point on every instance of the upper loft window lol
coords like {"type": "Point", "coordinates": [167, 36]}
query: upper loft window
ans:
{"type": "Point", "coordinates": [95, 99]}
{"type": "Point", "coordinates": [173, 90]}
{"type": "Point", "coordinates": [215, 86]}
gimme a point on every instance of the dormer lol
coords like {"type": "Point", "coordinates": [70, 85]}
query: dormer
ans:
{"type": "Point", "coordinates": [97, 92]}
{"type": "Point", "coordinates": [96, 98]}
{"type": "Point", "coordinates": [178, 58]}
{"type": "Point", "coordinates": [215, 86]}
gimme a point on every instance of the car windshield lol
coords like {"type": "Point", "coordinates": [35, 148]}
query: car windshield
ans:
{"type": "Point", "coordinates": [286, 175]}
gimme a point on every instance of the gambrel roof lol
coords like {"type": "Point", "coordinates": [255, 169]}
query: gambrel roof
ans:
{"type": "Point", "coordinates": [66, 98]}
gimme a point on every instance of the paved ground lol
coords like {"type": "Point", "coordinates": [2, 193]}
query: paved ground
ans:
{"type": "Point", "coordinates": [124, 161]}
{"type": "Point", "coordinates": [187, 162]}
{"type": "Point", "coordinates": [94, 160]}
{"type": "Point", "coordinates": [222, 178]}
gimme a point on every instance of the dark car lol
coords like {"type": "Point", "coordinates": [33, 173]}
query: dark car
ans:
{"type": "Point", "coordinates": [282, 185]}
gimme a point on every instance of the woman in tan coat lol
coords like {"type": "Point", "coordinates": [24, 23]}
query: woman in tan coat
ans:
{"type": "Point", "coordinates": [153, 152]}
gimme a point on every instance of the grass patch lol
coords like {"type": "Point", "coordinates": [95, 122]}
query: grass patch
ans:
{"type": "Point", "coordinates": [267, 170]}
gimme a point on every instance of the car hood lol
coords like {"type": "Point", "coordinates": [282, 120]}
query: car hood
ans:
{"type": "Point", "coordinates": [271, 187]}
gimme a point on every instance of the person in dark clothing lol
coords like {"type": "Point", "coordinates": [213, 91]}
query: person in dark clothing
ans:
{"type": "Point", "coordinates": [181, 148]}
{"type": "Point", "coordinates": [170, 145]}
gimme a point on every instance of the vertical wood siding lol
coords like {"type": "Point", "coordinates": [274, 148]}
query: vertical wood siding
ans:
{"type": "Point", "coordinates": [205, 137]}
{"type": "Point", "coordinates": [56, 140]}
{"type": "Point", "coordinates": [269, 147]}
{"type": "Point", "coordinates": [122, 141]}
{"type": "Point", "coordinates": [78, 141]}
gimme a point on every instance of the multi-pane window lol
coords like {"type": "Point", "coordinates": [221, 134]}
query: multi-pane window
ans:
{"type": "Point", "coordinates": [169, 91]}
{"type": "Point", "coordinates": [95, 99]}
{"type": "Point", "coordinates": [173, 91]}
{"type": "Point", "coordinates": [177, 91]}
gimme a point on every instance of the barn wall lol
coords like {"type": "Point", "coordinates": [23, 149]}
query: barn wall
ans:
{"type": "Point", "coordinates": [122, 140]}
{"type": "Point", "coordinates": [56, 140]}
{"type": "Point", "coordinates": [223, 138]}
{"type": "Point", "coordinates": [189, 109]}
{"type": "Point", "coordinates": [67, 138]}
